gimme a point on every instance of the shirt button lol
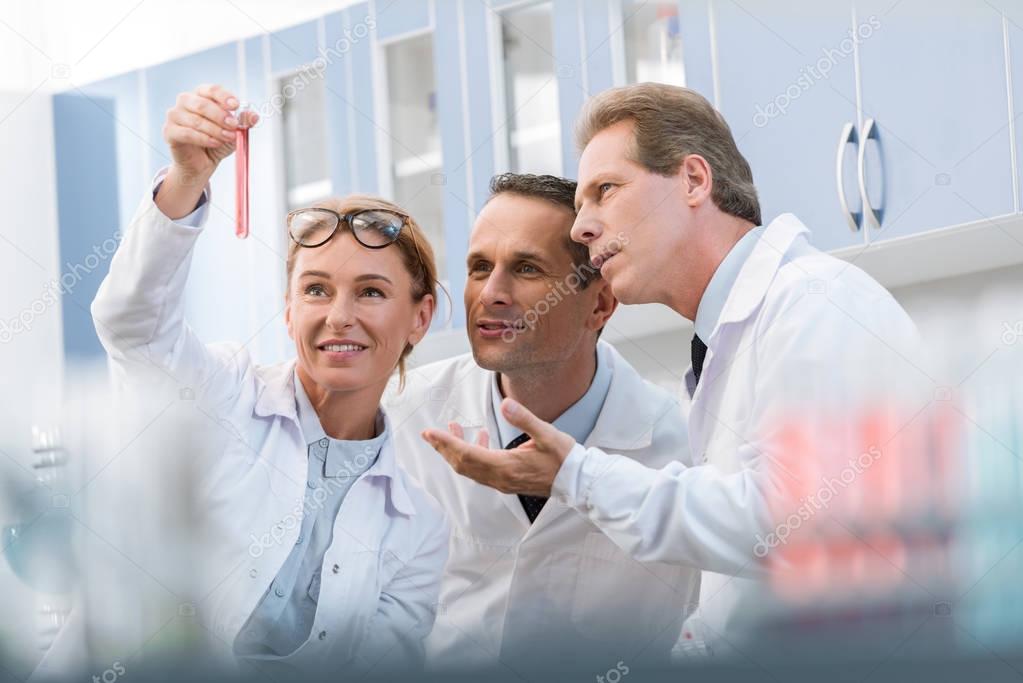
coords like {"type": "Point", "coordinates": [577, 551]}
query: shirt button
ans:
{"type": "Point", "coordinates": [336, 568]}
{"type": "Point", "coordinates": [279, 592]}
{"type": "Point", "coordinates": [324, 442]}
{"type": "Point", "coordinates": [298, 540]}
{"type": "Point", "coordinates": [309, 484]}
{"type": "Point", "coordinates": [322, 635]}
{"type": "Point", "coordinates": [253, 573]}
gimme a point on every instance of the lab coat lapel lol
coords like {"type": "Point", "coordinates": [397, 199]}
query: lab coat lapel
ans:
{"type": "Point", "coordinates": [627, 418]}
{"type": "Point", "coordinates": [749, 290]}
{"type": "Point", "coordinates": [473, 409]}
{"type": "Point", "coordinates": [624, 426]}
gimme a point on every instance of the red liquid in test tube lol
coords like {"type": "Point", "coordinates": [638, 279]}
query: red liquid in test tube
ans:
{"type": "Point", "coordinates": [241, 179]}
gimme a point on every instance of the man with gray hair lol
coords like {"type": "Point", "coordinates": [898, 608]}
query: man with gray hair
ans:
{"type": "Point", "coordinates": [532, 583]}
{"type": "Point", "coordinates": [794, 352]}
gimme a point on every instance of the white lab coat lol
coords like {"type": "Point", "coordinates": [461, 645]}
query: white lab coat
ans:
{"type": "Point", "coordinates": [558, 589]}
{"type": "Point", "coordinates": [803, 337]}
{"type": "Point", "coordinates": [382, 570]}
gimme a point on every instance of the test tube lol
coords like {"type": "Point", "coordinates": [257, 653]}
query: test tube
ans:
{"type": "Point", "coordinates": [241, 179]}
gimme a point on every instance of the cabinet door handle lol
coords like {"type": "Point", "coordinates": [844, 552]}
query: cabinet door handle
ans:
{"type": "Point", "coordinates": [869, 133]}
{"type": "Point", "coordinates": [848, 137]}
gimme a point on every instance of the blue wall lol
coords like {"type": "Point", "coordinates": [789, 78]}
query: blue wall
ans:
{"type": "Point", "coordinates": [109, 134]}
{"type": "Point", "coordinates": [99, 151]}
{"type": "Point", "coordinates": [87, 175]}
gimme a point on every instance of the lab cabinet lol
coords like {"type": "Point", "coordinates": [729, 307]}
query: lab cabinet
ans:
{"type": "Point", "coordinates": [933, 81]}
{"type": "Point", "coordinates": [871, 119]}
{"type": "Point", "coordinates": [787, 89]}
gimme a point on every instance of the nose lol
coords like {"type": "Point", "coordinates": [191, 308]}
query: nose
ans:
{"type": "Point", "coordinates": [585, 229]}
{"type": "Point", "coordinates": [341, 314]}
{"type": "Point", "coordinates": [496, 291]}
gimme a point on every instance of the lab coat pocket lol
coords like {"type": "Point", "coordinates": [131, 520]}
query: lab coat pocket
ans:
{"type": "Point", "coordinates": [348, 596]}
{"type": "Point", "coordinates": [472, 592]}
{"type": "Point", "coordinates": [471, 561]}
{"type": "Point", "coordinates": [629, 604]}
{"type": "Point", "coordinates": [354, 574]}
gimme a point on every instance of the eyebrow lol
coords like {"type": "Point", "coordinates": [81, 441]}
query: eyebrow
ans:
{"type": "Point", "coordinates": [529, 256]}
{"type": "Point", "coordinates": [315, 273]}
{"type": "Point", "coordinates": [360, 278]}
{"type": "Point", "coordinates": [581, 191]}
{"type": "Point", "coordinates": [373, 276]}
{"type": "Point", "coordinates": [521, 255]}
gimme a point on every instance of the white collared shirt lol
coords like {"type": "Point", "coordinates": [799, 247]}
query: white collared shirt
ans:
{"type": "Point", "coordinates": [725, 276]}
{"type": "Point", "coordinates": [578, 419]}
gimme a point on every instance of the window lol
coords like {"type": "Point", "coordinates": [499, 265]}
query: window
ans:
{"type": "Point", "coordinates": [531, 90]}
{"type": "Point", "coordinates": [415, 137]}
{"type": "Point", "coordinates": [306, 166]}
{"type": "Point", "coordinates": [653, 45]}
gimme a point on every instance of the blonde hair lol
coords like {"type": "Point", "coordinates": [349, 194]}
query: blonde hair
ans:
{"type": "Point", "coordinates": [669, 123]}
{"type": "Point", "coordinates": [416, 252]}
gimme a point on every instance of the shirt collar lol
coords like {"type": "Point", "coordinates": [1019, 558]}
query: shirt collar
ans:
{"type": "Point", "coordinates": [348, 459]}
{"type": "Point", "coordinates": [577, 421]}
{"type": "Point", "coordinates": [386, 466]}
{"type": "Point", "coordinates": [308, 420]}
{"type": "Point", "coordinates": [279, 395]}
{"type": "Point", "coordinates": [712, 303]}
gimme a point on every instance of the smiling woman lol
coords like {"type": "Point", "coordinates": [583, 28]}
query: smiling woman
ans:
{"type": "Point", "coordinates": [308, 584]}
{"type": "Point", "coordinates": [341, 235]}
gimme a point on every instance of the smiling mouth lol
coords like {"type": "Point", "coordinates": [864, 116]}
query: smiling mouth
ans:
{"type": "Point", "coordinates": [341, 348]}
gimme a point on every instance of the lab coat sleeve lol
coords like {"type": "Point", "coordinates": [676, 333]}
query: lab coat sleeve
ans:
{"type": "Point", "coordinates": [197, 218]}
{"type": "Point", "coordinates": [718, 520]}
{"type": "Point", "coordinates": [407, 608]}
{"type": "Point", "coordinates": [695, 516]}
{"type": "Point", "coordinates": [138, 311]}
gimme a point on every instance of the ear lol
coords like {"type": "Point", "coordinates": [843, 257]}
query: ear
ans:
{"type": "Point", "coordinates": [698, 180]}
{"type": "Point", "coordinates": [424, 316]}
{"type": "Point", "coordinates": [287, 316]}
{"type": "Point", "coordinates": [603, 307]}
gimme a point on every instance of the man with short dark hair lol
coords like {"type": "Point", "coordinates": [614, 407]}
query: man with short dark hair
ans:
{"type": "Point", "coordinates": [801, 363]}
{"type": "Point", "coordinates": [530, 582]}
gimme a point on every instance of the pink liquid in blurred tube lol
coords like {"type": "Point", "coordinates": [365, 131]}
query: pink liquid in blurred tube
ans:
{"type": "Point", "coordinates": [241, 179]}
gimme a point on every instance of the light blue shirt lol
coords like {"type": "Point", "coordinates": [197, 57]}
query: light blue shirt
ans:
{"type": "Point", "coordinates": [283, 618]}
{"type": "Point", "coordinates": [577, 421]}
{"type": "Point", "coordinates": [714, 297]}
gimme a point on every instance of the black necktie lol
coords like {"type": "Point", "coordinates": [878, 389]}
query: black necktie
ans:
{"type": "Point", "coordinates": [531, 504]}
{"type": "Point", "coordinates": [699, 352]}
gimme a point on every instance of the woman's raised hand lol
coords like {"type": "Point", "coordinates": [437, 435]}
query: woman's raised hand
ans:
{"type": "Point", "coordinates": [200, 131]}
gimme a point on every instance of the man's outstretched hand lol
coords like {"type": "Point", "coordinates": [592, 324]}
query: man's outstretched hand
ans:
{"type": "Point", "coordinates": [529, 469]}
